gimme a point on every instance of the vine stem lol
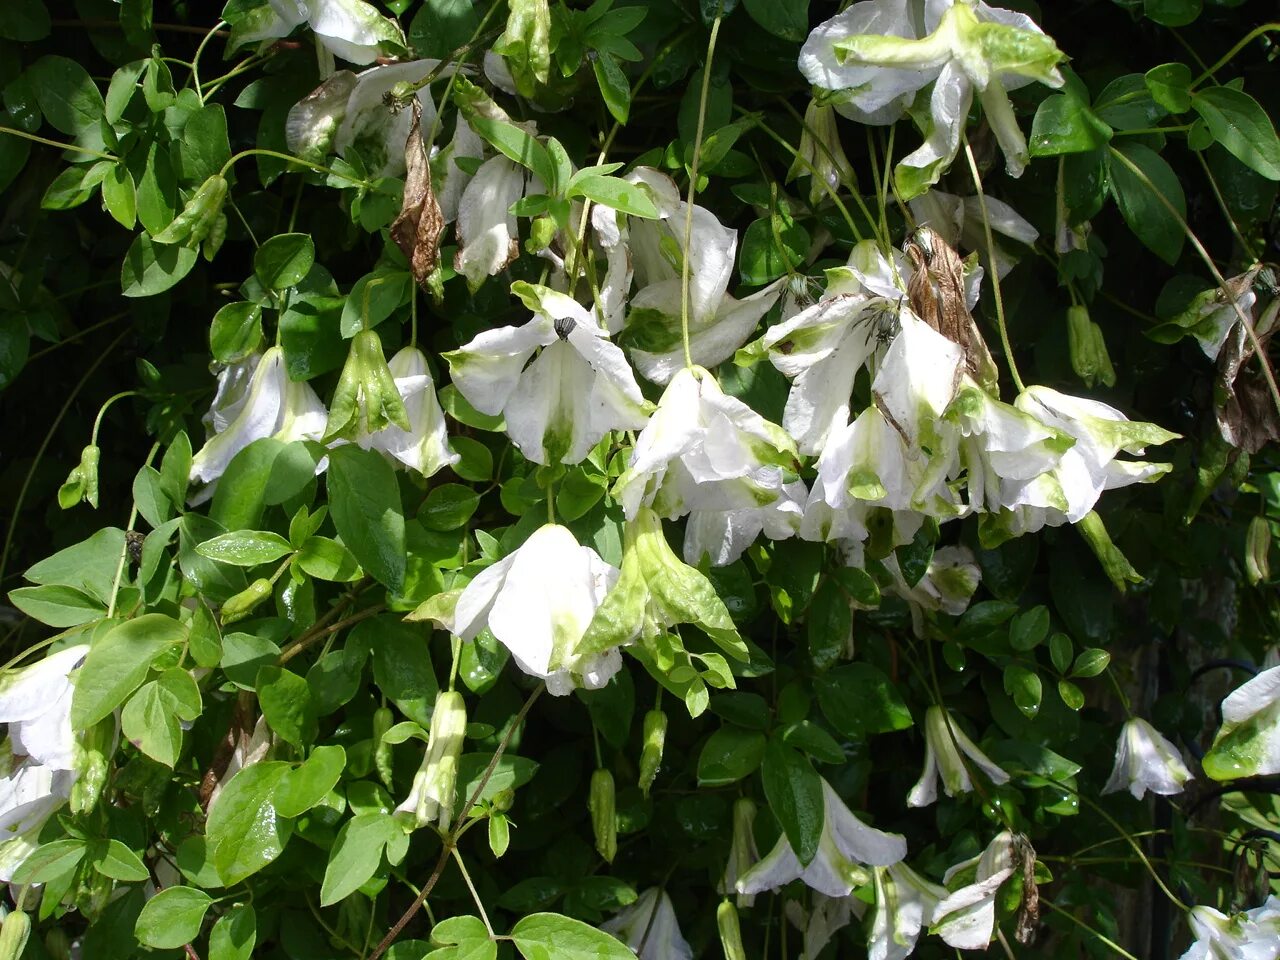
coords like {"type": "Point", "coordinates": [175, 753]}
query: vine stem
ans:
{"type": "Point", "coordinates": [1227, 57]}
{"type": "Point", "coordinates": [991, 267]}
{"type": "Point", "coordinates": [1267, 372]}
{"type": "Point", "coordinates": [259, 152]}
{"type": "Point", "coordinates": [57, 143]}
{"type": "Point", "coordinates": [466, 876]}
{"type": "Point", "coordinates": [693, 183]}
{"type": "Point", "coordinates": [26, 483]}
{"type": "Point", "coordinates": [451, 838]}
{"type": "Point", "coordinates": [124, 550]}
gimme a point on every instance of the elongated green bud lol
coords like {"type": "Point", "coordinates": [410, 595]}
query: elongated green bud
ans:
{"type": "Point", "coordinates": [604, 817]}
{"type": "Point", "coordinates": [655, 738]}
{"type": "Point", "coordinates": [1257, 549]}
{"type": "Point", "coordinates": [14, 933]}
{"type": "Point", "coordinates": [432, 796]}
{"type": "Point", "coordinates": [381, 750]}
{"type": "Point", "coordinates": [93, 763]}
{"type": "Point", "coordinates": [244, 602]}
{"type": "Point", "coordinates": [197, 218]}
{"type": "Point", "coordinates": [366, 398]}
{"type": "Point", "coordinates": [1089, 357]}
{"type": "Point", "coordinates": [541, 233]}
{"type": "Point", "coordinates": [730, 931]}
{"type": "Point", "coordinates": [82, 481]}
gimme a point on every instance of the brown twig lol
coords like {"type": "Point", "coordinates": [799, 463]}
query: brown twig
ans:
{"type": "Point", "coordinates": [309, 639]}
{"type": "Point", "coordinates": [451, 839]}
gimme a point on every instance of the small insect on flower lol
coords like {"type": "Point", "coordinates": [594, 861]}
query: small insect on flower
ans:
{"type": "Point", "coordinates": [881, 321]}
{"type": "Point", "coordinates": [564, 326]}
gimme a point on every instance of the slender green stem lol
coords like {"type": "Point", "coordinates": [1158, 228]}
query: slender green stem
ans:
{"type": "Point", "coordinates": [57, 143]}
{"type": "Point", "coordinates": [1227, 57]}
{"type": "Point", "coordinates": [124, 549]}
{"type": "Point", "coordinates": [102, 411]}
{"type": "Point", "coordinates": [1145, 131]}
{"type": "Point", "coordinates": [813, 172]}
{"type": "Point", "coordinates": [1245, 245]}
{"type": "Point", "coordinates": [1080, 923]}
{"type": "Point", "coordinates": [693, 183]}
{"type": "Point", "coordinates": [457, 858]}
{"type": "Point", "coordinates": [195, 59]}
{"type": "Point", "coordinates": [1228, 297]}
{"type": "Point", "coordinates": [259, 152]}
{"type": "Point", "coordinates": [992, 272]}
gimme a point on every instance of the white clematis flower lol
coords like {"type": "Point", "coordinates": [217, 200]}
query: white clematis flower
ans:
{"type": "Point", "coordinates": [577, 389]}
{"type": "Point", "coordinates": [904, 903]}
{"type": "Point", "coordinates": [539, 601]}
{"type": "Point", "coordinates": [1069, 491]}
{"type": "Point", "coordinates": [350, 29]}
{"type": "Point", "coordinates": [723, 535]}
{"type": "Point", "coordinates": [272, 406]}
{"type": "Point", "coordinates": [488, 238]}
{"type": "Point", "coordinates": [40, 761]}
{"type": "Point", "coordinates": [649, 927]}
{"type": "Point", "coordinates": [432, 797]}
{"type": "Point", "coordinates": [424, 447]}
{"type": "Point", "coordinates": [944, 742]}
{"type": "Point", "coordinates": [947, 585]}
{"type": "Point", "coordinates": [966, 918]}
{"type": "Point", "coordinates": [1250, 935]}
{"type": "Point", "coordinates": [1145, 760]}
{"type": "Point", "coordinates": [821, 156]}
{"type": "Point", "coordinates": [827, 917]}
{"type": "Point", "coordinates": [1248, 743]}
{"type": "Point", "coordinates": [704, 450]}
{"type": "Point", "coordinates": [847, 846]}
{"type": "Point", "coordinates": [959, 221]}
{"type": "Point", "coordinates": [964, 47]}
{"type": "Point", "coordinates": [917, 382]}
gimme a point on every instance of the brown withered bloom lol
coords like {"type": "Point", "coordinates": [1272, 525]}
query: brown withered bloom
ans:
{"type": "Point", "coordinates": [1243, 405]}
{"type": "Point", "coordinates": [418, 227]}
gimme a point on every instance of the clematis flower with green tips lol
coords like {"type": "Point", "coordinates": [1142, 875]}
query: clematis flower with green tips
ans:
{"type": "Point", "coordinates": [882, 55]}
{"type": "Point", "coordinates": [1248, 935]}
{"type": "Point", "coordinates": [959, 221]}
{"type": "Point", "coordinates": [847, 847]}
{"type": "Point", "coordinates": [944, 742]}
{"type": "Point", "coordinates": [577, 389]}
{"type": "Point", "coordinates": [947, 585]}
{"type": "Point", "coordinates": [366, 399]}
{"type": "Point", "coordinates": [649, 926]}
{"type": "Point", "coordinates": [350, 29]}
{"type": "Point", "coordinates": [1145, 760]}
{"type": "Point", "coordinates": [966, 918]}
{"type": "Point", "coordinates": [424, 446]}
{"type": "Point", "coordinates": [1248, 742]}
{"type": "Point", "coordinates": [904, 903]}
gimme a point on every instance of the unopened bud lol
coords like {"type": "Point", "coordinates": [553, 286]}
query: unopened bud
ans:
{"type": "Point", "coordinates": [93, 761]}
{"type": "Point", "coordinates": [432, 795]}
{"type": "Point", "coordinates": [730, 931]}
{"type": "Point", "coordinates": [366, 399]}
{"type": "Point", "coordinates": [655, 738]}
{"type": "Point", "coordinates": [82, 481]}
{"type": "Point", "coordinates": [14, 933]}
{"type": "Point", "coordinates": [1089, 357]}
{"type": "Point", "coordinates": [541, 233]}
{"type": "Point", "coordinates": [198, 216]}
{"type": "Point", "coordinates": [1257, 549]}
{"type": "Point", "coordinates": [381, 749]}
{"type": "Point", "coordinates": [742, 853]}
{"type": "Point", "coordinates": [244, 602]}
{"type": "Point", "coordinates": [604, 819]}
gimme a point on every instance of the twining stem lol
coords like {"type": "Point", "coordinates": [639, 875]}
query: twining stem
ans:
{"type": "Point", "coordinates": [693, 184]}
{"type": "Point", "coordinates": [457, 858]}
{"type": "Point", "coordinates": [195, 59]}
{"type": "Point", "coordinates": [1227, 57]}
{"type": "Point", "coordinates": [1228, 297]}
{"type": "Point", "coordinates": [991, 267]}
{"type": "Point", "coordinates": [259, 152]}
{"type": "Point", "coordinates": [450, 839]}
{"type": "Point", "coordinates": [57, 143]}
{"type": "Point", "coordinates": [309, 639]}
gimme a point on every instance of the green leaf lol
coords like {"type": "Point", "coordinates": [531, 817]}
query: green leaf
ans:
{"type": "Point", "coordinates": [1024, 687]}
{"type": "Point", "coordinates": [118, 663]}
{"type": "Point", "coordinates": [441, 26]}
{"type": "Point", "coordinates": [1060, 651]}
{"type": "Point", "coordinates": [401, 665]}
{"type": "Point", "coordinates": [448, 507]}
{"type": "Point", "coordinates": [828, 625]}
{"type": "Point", "coordinates": [150, 268]}
{"type": "Point", "coordinates": [1172, 13]}
{"type": "Point", "coordinates": [286, 703]}
{"type": "Point", "coordinates": [788, 19]}
{"type": "Point", "coordinates": [172, 918]}
{"type": "Point", "coordinates": [113, 859]}
{"type": "Point", "coordinates": [1238, 123]}
{"type": "Point", "coordinates": [1029, 628]}
{"type": "Point", "coordinates": [244, 831]}
{"type": "Point", "coordinates": [150, 726]}
{"type": "Point", "coordinates": [25, 21]}
{"type": "Point", "coordinates": [284, 260]}
{"type": "Point", "coordinates": [794, 791]}
{"type": "Point", "coordinates": [615, 90]}
{"type": "Point", "coordinates": [356, 854]}
{"type": "Point", "coordinates": [729, 754]}
{"type": "Point", "coordinates": [511, 772]}
{"type": "Point", "coordinates": [236, 331]}
{"type": "Point", "coordinates": [1065, 124]}
{"type": "Point", "coordinates": [763, 260]}
{"type": "Point", "coordinates": [544, 936]}
{"type": "Point", "coordinates": [204, 147]}
{"type": "Point", "coordinates": [265, 473]}
{"type": "Point", "coordinates": [1144, 212]}
{"type": "Point", "coordinates": [57, 605]}
{"type": "Point", "coordinates": [68, 97]}
{"type": "Point", "coordinates": [1090, 663]}
{"type": "Point", "coordinates": [621, 195]}
{"type": "Point", "coordinates": [364, 501]}
{"type": "Point", "coordinates": [858, 700]}
{"type": "Point", "coordinates": [1170, 86]}
{"type": "Point", "coordinates": [89, 566]}
{"type": "Point", "coordinates": [1071, 695]}
{"type": "Point", "coordinates": [245, 548]}
{"type": "Point", "coordinates": [234, 935]}
{"type": "Point", "coordinates": [327, 559]}
{"type": "Point", "coordinates": [120, 195]}
{"type": "Point", "coordinates": [305, 786]}
{"type": "Point", "coordinates": [813, 740]}
{"type": "Point", "coordinates": [51, 860]}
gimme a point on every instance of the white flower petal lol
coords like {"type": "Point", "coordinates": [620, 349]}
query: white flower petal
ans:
{"type": "Point", "coordinates": [487, 235]}
{"type": "Point", "coordinates": [377, 131]}
{"type": "Point", "coordinates": [487, 369]}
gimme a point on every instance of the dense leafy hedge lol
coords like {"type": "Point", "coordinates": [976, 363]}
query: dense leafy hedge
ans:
{"type": "Point", "coordinates": [676, 476]}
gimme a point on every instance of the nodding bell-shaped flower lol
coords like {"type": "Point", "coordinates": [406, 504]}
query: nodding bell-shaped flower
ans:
{"type": "Point", "coordinates": [424, 447]}
{"type": "Point", "coordinates": [743, 853]}
{"type": "Point", "coordinates": [539, 601]}
{"type": "Point", "coordinates": [826, 917]}
{"type": "Point", "coordinates": [821, 156]}
{"type": "Point", "coordinates": [703, 450]}
{"type": "Point", "coordinates": [1145, 760]}
{"type": "Point", "coordinates": [721, 536]}
{"type": "Point", "coordinates": [271, 405]}
{"type": "Point", "coordinates": [350, 29]}
{"type": "Point", "coordinates": [432, 797]}
{"type": "Point", "coordinates": [577, 389]}
{"type": "Point", "coordinates": [944, 742]}
{"type": "Point", "coordinates": [366, 399]}
{"type": "Point", "coordinates": [1249, 935]}
{"type": "Point", "coordinates": [650, 928]}
{"type": "Point", "coordinates": [847, 847]}
{"type": "Point", "coordinates": [905, 902]}
{"type": "Point", "coordinates": [39, 762]}
{"type": "Point", "coordinates": [965, 47]}
{"type": "Point", "coordinates": [959, 221]}
{"type": "Point", "coordinates": [966, 918]}
{"type": "Point", "coordinates": [947, 585]}
{"type": "Point", "coordinates": [1248, 742]}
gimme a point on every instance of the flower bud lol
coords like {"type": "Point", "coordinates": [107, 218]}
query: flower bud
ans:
{"type": "Point", "coordinates": [366, 399]}
{"type": "Point", "coordinates": [1257, 548]}
{"type": "Point", "coordinates": [198, 217]}
{"type": "Point", "coordinates": [382, 749]}
{"type": "Point", "coordinates": [1089, 357]}
{"type": "Point", "coordinates": [730, 931]}
{"type": "Point", "coordinates": [604, 818]}
{"type": "Point", "coordinates": [821, 157]}
{"type": "Point", "coordinates": [743, 853]}
{"type": "Point", "coordinates": [541, 233]}
{"type": "Point", "coordinates": [655, 736]}
{"type": "Point", "coordinates": [82, 481]}
{"type": "Point", "coordinates": [432, 796]}
{"type": "Point", "coordinates": [92, 764]}
{"type": "Point", "coordinates": [14, 933]}
{"type": "Point", "coordinates": [244, 602]}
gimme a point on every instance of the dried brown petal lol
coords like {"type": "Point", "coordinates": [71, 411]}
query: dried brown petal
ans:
{"type": "Point", "coordinates": [1244, 407]}
{"type": "Point", "coordinates": [418, 227]}
{"type": "Point", "coordinates": [1029, 910]}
